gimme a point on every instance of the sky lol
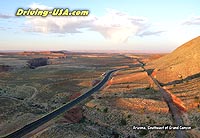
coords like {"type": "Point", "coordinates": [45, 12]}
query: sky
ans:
{"type": "Point", "coordinates": [136, 25]}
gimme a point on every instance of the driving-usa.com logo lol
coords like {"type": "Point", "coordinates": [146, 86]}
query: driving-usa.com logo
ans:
{"type": "Point", "coordinates": [53, 12]}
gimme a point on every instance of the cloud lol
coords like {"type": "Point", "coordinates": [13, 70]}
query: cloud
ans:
{"type": "Point", "coordinates": [4, 16]}
{"type": "Point", "coordinates": [60, 25]}
{"type": "Point", "coordinates": [115, 25]}
{"type": "Point", "coordinates": [118, 26]}
{"type": "Point", "coordinates": [192, 21]}
{"type": "Point", "coordinates": [147, 33]}
{"type": "Point", "coordinates": [3, 28]}
{"type": "Point", "coordinates": [39, 6]}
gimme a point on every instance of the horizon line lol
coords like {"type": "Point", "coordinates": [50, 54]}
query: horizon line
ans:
{"type": "Point", "coordinates": [89, 51]}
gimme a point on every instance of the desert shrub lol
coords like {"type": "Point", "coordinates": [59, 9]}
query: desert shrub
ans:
{"type": "Point", "coordinates": [143, 132]}
{"type": "Point", "coordinates": [127, 86]}
{"type": "Point", "coordinates": [83, 120]}
{"type": "Point", "coordinates": [105, 110]}
{"type": "Point", "coordinates": [123, 122]}
{"type": "Point", "coordinates": [36, 62]}
{"type": "Point", "coordinates": [129, 116]}
{"type": "Point", "coordinates": [151, 121]}
{"type": "Point", "coordinates": [115, 134]}
{"type": "Point", "coordinates": [147, 88]}
{"type": "Point", "coordinates": [159, 134]}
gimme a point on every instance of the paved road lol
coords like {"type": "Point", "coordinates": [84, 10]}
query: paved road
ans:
{"type": "Point", "coordinates": [30, 127]}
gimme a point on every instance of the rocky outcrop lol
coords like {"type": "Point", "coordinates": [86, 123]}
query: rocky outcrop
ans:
{"type": "Point", "coordinates": [36, 62]}
{"type": "Point", "coordinates": [74, 115]}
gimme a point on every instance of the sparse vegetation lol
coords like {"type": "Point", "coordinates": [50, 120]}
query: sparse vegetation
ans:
{"type": "Point", "coordinates": [83, 120]}
{"type": "Point", "coordinates": [128, 100]}
{"type": "Point", "coordinates": [143, 132]}
{"type": "Point", "coordinates": [147, 88]}
{"type": "Point", "coordinates": [105, 110]}
{"type": "Point", "coordinates": [123, 122]}
{"type": "Point", "coordinates": [129, 116]}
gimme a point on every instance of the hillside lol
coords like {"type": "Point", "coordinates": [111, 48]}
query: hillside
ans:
{"type": "Point", "coordinates": [180, 64]}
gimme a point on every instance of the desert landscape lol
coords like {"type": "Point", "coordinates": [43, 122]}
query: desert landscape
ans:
{"type": "Point", "coordinates": [35, 83]}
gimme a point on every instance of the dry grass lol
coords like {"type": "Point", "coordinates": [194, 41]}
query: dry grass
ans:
{"type": "Point", "coordinates": [128, 78]}
{"type": "Point", "coordinates": [183, 61]}
{"type": "Point", "coordinates": [142, 105]}
{"type": "Point", "coordinates": [130, 96]}
{"type": "Point", "coordinates": [188, 92]}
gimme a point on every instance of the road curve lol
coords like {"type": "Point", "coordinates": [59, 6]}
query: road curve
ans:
{"type": "Point", "coordinates": [33, 125]}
